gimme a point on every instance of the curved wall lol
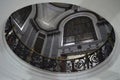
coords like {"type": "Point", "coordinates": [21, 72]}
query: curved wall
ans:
{"type": "Point", "coordinates": [13, 68]}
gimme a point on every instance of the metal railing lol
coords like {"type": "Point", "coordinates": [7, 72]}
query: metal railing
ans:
{"type": "Point", "coordinates": [85, 62]}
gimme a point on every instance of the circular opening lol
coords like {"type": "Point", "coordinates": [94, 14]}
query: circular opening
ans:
{"type": "Point", "coordinates": [59, 37]}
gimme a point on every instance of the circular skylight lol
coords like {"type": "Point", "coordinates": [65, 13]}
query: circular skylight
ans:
{"type": "Point", "coordinates": [59, 37]}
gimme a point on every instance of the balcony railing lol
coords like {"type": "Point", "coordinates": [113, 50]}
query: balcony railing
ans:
{"type": "Point", "coordinates": [84, 62]}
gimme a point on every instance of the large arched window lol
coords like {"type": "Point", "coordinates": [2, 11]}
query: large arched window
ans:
{"type": "Point", "coordinates": [79, 29]}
